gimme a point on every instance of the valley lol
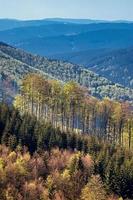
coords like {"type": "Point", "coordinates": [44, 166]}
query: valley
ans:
{"type": "Point", "coordinates": [66, 109]}
{"type": "Point", "coordinates": [16, 63]}
{"type": "Point", "coordinates": [100, 46]}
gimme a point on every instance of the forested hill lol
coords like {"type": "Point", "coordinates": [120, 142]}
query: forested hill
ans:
{"type": "Point", "coordinates": [15, 63]}
{"type": "Point", "coordinates": [103, 45]}
{"type": "Point", "coordinates": [116, 65]}
{"type": "Point", "coordinates": [71, 170]}
{"type": "Point", "coordinates": [50, 115]}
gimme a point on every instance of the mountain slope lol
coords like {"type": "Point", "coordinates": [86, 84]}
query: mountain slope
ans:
{"type": "Point", "coordinates": [94, 45]}
{"type": "Point", "coordinates": [97, 45]}
{"type": "Point", "coordinates": [77, 37]}
{"type": "Point", "coordinates": [56, 39]}
{"type": "Point", "coordinates": [15, 63]}
{"type": "Point", "coordinates": [115, 65]}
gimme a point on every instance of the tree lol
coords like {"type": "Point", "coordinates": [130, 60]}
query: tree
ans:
{"type": "Point", "coordinates": [94, 190]}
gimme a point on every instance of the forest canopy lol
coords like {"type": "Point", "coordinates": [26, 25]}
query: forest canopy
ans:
{"type": "Point", "coordinates": [59, 143]}
{"type": "Point", "coordinates": [71, 108]}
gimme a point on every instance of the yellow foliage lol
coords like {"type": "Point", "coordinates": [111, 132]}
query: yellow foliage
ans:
{"type": "Point", "coordinates": [94, 190]}
{"type": "Point", "coordinates": [31, 186]}
{"type": "Point", "coordinates": [1, 164]}
{"type": "Point", "coordinates": [49, 181]}
{"type": "Point", "coordinates": [20, 166]}
{"type": "Point", "coordinates": [26, 157]}
{"type": "Point", "coordinates": [12, 156]}
{"type": "Point", "coordinates": [66, 175]}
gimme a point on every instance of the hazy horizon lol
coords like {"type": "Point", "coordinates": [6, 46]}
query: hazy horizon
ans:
{"type": "Point", "coordinates": [65, 18]}
{"type": "Point", "coordinates": [72, 9]}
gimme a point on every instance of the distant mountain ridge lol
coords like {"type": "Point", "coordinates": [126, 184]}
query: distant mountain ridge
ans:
{"type": "Point", "coordinates": [6, 24]}
{"type": "Point", "coordinates": [97, 45]}
{"type": "Point", "coordinates": [15, 63]}
{"type": "Point", "coordinates": [50, 40]}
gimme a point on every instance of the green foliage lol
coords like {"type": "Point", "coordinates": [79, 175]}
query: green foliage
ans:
{"type": "Point", "coordinates": [71, 108]}
{"type": "Point", "coordinates": [110, 161]}
{"type": "Point", "coordinates": [58, 114]}
{"type": "Point", "coordinates": [25, 130]}
{"type": "Point", "coordinates": [16, 63]}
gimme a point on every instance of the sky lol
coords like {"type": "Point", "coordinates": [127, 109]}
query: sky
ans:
{"type": "Point", "coordinates": [81, 9]}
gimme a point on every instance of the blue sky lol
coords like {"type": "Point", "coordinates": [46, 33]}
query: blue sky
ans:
{"type": "Point", "coordinates": [94, 9]}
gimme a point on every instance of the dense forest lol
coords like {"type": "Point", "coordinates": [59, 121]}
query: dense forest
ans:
{"type": "Point", "coordinates": [42, 162]}
{"type": "Point", "coordinates": [60, 143]}
{"type": "Point", "coordinates": [66, 132]}
{"type": "Point", "coordinates": [115, 65]}
{"type": "Point", "coordinates": [70, 107]}
{"type": "Point", "coordinates": [15, 64]}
